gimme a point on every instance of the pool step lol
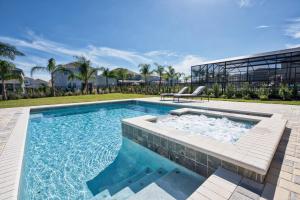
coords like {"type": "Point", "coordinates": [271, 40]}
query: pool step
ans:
{"type": "Point", "coordinates": [116, 188]}
{"type": "Point", "coordinates": [138, 185]}
{"type": "Point", "coordinates": [158, 184]}
{"type": "Point", "coordinates": [104, 195]}
{"type": "Point", "coordinates": [109, 191]}
{"type": "Point", "coordinates": [174, 185]}
{"type": "Point", "coordinates": [147, 179]}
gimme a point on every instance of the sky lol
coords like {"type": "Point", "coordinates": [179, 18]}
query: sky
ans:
{"type": "Point", "coordinates": [125, 33]}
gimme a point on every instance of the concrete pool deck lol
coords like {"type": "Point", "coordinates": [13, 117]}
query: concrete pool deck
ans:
{"type": "Point", "coordinates": [282, 180]}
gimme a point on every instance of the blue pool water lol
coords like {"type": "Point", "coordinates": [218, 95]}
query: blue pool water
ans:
{"type": "Point", "coordinates": [77, 152]}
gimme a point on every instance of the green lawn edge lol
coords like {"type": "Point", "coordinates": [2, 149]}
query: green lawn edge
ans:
{"type": "Point", "coordinates": [271, 101]}
{"type": "Point", "coordinates": [68, 99]}
{"type": "Point", "coordinates": [112, 96]}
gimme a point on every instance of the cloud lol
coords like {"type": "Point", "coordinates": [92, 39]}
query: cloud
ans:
{"type": "Point", "coordinates": [262, 27]}
{"type": "Point", "coordinates": [160, 53]}
{"type": "Point", "coordinates": [184, 65]}
{"type": "Point", "coordinates": [292, 45]}
{"type": "Point", "coordinates": [293, 28]}
{"type": "Point", "coordinates": [39, 49]}
{"type": "Point", "coordinates": [91, 52]}
{"type": "Point", "coordinates": [244, 3]}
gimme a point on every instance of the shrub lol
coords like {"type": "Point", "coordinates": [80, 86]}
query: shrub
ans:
{"type": "Point", "coordinates": [69, 93]}
{"type": "Point", "coordinates": [13, 95]}
{"type": "Point", "coordinates": [230, 90]}
{"type": "Point", "coordinates": [295, 91]}
{"type": "Point", "coordinates": [285, 92]}
{"type": "Point", "coordinates": [216, 90]}
{"type": "Point", "coordinates": [246, 91]}
{"type": "Point", "coordinates": [263, 92]}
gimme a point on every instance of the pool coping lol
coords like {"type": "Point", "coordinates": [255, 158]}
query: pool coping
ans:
{"type": "Point", "coordinates": [254, 151]}
{"type": "Point", "coordinates": [11, 158]}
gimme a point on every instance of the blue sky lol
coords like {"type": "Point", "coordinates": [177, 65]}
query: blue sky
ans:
{"type": "Point", "coordinates": [124, 33]}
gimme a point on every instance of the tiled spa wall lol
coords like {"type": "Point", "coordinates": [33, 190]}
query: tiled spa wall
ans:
{"type": "Point", "coordinates": [196, 161]}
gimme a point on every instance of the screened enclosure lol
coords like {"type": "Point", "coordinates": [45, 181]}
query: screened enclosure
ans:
{"type": "Point", "coordinates": [271, 68]}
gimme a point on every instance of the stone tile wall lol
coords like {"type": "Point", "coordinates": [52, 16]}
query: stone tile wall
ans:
{"type": "Point", "coordinates": [192, 159]}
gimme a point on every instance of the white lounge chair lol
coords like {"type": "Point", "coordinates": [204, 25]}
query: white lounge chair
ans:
{"type": "Point", "coordinates": [163, 95]}
{"type": "Point", "coordinates": [196, 93]}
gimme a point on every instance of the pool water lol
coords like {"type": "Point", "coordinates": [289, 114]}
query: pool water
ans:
{"type": "Point", "coordinates": [220, 128]}
{"type": "Point", "coordinates": [78, 152]}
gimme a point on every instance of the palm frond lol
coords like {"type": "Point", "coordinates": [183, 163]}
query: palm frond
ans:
{"type": "Point", "coordinates": [73, 76]}
{"type": "Point", "coordinates": [9, 51]}
{"type": "Point", "coordinates": [37, 68]}
{"type": "Point", "coordinates": [14, 75]}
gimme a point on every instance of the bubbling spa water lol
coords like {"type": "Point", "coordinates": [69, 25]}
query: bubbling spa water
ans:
{"type": "Point", "coordinates": [219, 128]}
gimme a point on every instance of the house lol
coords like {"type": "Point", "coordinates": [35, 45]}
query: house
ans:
{"type": "Point", "coordinates": [62, 81]}
{"type": "Point", "coordinates": [34, 83]}
{"type": "Point", "coordinates": [14, 84]}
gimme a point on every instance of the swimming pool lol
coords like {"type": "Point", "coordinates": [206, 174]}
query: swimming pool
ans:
{"type": "Point", "coordinates": [78, 152]}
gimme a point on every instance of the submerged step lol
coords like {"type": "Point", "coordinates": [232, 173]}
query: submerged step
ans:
{"type": "Point", "coordinates": [177, 184]}
{"type": "Point", "coordinates": [152, 192]}
{"type": "Point", "coordinates": [123, 194]}
{"type": "Point", "coordinates": [147, 179]}
{"type": "Point", "coordinates": [116, 188]}
{"type": "Point", "coordinates": [180, 184]}
{"type": "Point", "coordinates": [104, 195]}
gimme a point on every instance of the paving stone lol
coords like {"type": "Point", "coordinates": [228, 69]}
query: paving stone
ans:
{"type": "Point", "coordinates": [295, 196]}
{"type": "Point", "coordinates": [246, 192]}
{"type": "Point", "coordinates": [297, 179]}
{"type": "Point", "coordinates": [272, 192]}
{"type": "Point", "coordinates": [239, 196]}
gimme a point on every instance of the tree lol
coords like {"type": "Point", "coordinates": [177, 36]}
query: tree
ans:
{"type": "Point", "coordinates": [186, 78]}
{"type": "Point", "coordinates": [85, 73]}
{"type": "Point", "coordinates": [170, 74]}
{"type": "Point", "coordinates": [9, 51]}
{"type": "Point", "coordinates": [160, 72]}
{"type": "Point", "coordinates": [8, 71]}
{"type": "Point", "coordinates": [107, 74]}
{"type": "Point", "coordinates": [145, 70]}
{"type": "Point", "coordinates": [178, 75]}
{"type": "Point", "coordinates": [51, 68]}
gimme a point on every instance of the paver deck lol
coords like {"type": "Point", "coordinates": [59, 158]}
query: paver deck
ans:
{"type": "Point", "coordinates": [282, 181]}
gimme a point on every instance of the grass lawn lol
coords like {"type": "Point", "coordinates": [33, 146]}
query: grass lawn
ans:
{"type": "Point", "coordinates": [292, 102]}
{"type": "Point", "coordinates": [67, 99]}
{"type": "Point", "coordinates": [112, 96]}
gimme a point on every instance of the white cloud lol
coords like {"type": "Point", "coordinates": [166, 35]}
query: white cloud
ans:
{"type": "Point", "coordinates": [293, 28]}
{"type": "Point", "coordinates": [38, 50]}
{"type": "Point", "coordinates": [292, 45]}
{"type": "Point", "coordinates": [262, 27]}
{"type": "Point", "coordinates": [91, 52]}
{"type": "Point", "coordinates": [244, 3]}
{"type": "Point", "coordinates": [184, 65]}
{"type": "Point", "coordinates": [160, 53]}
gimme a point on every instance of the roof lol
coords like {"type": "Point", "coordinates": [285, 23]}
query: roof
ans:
{"type": "Point", "coordinates": [270, 53]}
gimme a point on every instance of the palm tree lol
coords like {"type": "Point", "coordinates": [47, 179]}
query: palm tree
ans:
{"type": "Point", "coordinates": [107, 74]}
{"type": "Point", "coordinates": [186, 78]}
{"type": "Point", "coordinates": [51, 68]}
{"type": "Point", "coordinates": [145, 71]}
{"type": "Point", "coordinates": [9, 51]}
{"type": "Point", "coordinates": [170, 74]}
{"type": "Point", "coordinates": [8, 71]}
{"type": "Point", "coordinates": [86, 72]}
{"type": "Point", "coordinates": [178, 75]}
{"type": "Point", "coordinates": [160, 72]}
